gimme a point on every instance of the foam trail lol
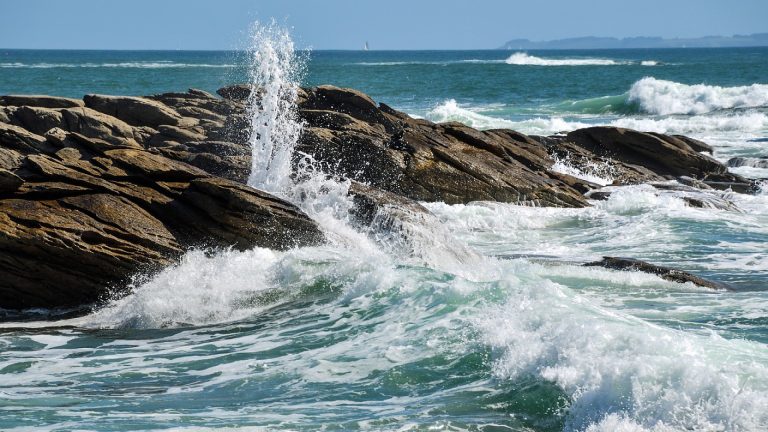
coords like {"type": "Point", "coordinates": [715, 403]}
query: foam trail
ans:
{"type": "Point", "coordinates": [524, 59]}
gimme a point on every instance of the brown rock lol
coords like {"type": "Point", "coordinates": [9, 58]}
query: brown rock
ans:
{"type": "Point", "coordinates": [136, 111]}
{"type": "Point", "coordinates": [40, 101]}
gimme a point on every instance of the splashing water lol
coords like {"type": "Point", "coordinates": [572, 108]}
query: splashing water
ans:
{"type": "Point", "coordinates": [275, 73]}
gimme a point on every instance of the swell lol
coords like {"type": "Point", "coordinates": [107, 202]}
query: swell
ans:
{"type": "Point", "coordinates": [660, 97]}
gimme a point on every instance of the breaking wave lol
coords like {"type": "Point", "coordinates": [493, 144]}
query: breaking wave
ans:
{"type": "Point", "coordinates": [451, 111]}
{"type": "Point", "coordinates": [743, 122]}
{"type": "Point", "coordinates": [524, 59]}
{"type": "Point", "coordinates": [661, 97]}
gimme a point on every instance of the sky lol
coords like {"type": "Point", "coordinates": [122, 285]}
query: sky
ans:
{"type": "Point", "coordinates": [347, 24]}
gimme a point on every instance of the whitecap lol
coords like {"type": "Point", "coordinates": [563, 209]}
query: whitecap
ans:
{"type": "Point", "coordinates": [521, 58]}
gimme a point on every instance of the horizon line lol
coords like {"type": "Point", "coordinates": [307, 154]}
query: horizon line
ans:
{"type": "Point", "coordinates": [380, 50]}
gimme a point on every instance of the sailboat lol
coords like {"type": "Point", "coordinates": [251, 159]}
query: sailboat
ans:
{"type": "Point", "coordinates": [365, 47]}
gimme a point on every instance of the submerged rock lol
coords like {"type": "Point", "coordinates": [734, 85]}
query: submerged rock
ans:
{"type": "Point", "coordinates": [666, 273]}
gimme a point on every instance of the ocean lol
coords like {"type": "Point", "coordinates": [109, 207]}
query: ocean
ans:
{"type": "Point", "coordinates": [486, 321]}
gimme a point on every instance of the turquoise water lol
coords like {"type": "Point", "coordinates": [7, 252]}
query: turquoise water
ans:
{"type": "Point", "coordinates": [482, 319]}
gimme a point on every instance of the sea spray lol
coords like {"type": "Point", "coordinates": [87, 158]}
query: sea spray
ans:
{"type": "Point", "coordinates": [275, 72]}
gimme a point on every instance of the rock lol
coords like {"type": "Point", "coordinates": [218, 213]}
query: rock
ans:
{"type": "Point", "coordinates": [79, 220]}
{"type": "Point", "coordinates": [695, 144]}
{"type": "Point", "coordinates": [136, 111]}
{"type": "Point", "coordinates": [761, 162]}
{"type": "Point", "coordinates": [370, 202]}
{"type": "Point", "coordinates": [94, 124]}
{"type": "Point", "coordinates": [9, 182]}
{"type": "Point", "coordinates": [666, 273]}
{"type": "Point", "coordinates": [424, 161]}
{"type": "Point", "coordinates": [599, 195]}
{"type": "Point", "coordinates": [237, 92]}
{"type": "Point", "coordinates": [661, 154]}
{"type": "Point", "coordinates": [38, 120]}
{"type": "Point", "coordinates": [40, 101]}
{"type": "Point", "coordinates": [688, 181]}
{"type": "Point", "coordinates": [23, 141]}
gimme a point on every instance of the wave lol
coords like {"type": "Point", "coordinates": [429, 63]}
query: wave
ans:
{"type": "Point", "coordinates": [451, 111]}
{"type": "Point", "coordinates": [740, 122]}
{"type": "Point", "coordinates": [521, 59]}
{"type": "Point", "coordinates": [140, 65]}
{"type": "Point", "coordinates": [746, 122]}
{"type": "Point", "coordinates": [524, 59]}
{"type": "Point", "coordinates": [661, 97]}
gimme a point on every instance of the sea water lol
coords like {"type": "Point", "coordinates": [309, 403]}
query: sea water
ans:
{"type": "Point", "coordinates": [480, 318]}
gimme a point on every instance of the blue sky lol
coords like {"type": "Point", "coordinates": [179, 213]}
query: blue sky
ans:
{"type": "Point", "coordinates": [346, 24]}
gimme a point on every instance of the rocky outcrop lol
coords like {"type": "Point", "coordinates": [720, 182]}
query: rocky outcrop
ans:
{"type": "Point", "coordinates": [666, 273]}
{"type": "Point", "coordinates": [94, 192]}
{"type": "Point", "coordinates": [80, 215]}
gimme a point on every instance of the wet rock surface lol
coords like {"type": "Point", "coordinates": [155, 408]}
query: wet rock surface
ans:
{"type": "Point", "coordinates": [81, 215]}
{"type": "Point", "coordinates": [666, 273]}
{"type": "Point", "coordinates": [95, 191]}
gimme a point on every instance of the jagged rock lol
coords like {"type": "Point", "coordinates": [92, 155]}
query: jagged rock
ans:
{"type": "Point", "coordinates": [237, 92]}
{"type": "Point", "coordinates": [661, 154]}
{"type": "Point", "coordinates": [9, 182]}
{"type": "Point", "coordinates": [137, 111]}
{"type": "Point", "coordinates": [40, 101]}
{"type": "Point", "coordinates": [81, 215]}
{"type": "Point", "coordinates": [16, 138]}
{"type": "Point", "coordinates": [673, 275]}
{"type": "Point", "coordinates": [421, 160]}
{"type": "Point", "coordinates": [369, 202]}
{"type": "Point", "coordinates": [94, 124]}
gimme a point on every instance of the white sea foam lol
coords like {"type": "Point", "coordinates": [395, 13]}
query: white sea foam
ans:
{"type": "Point", "coordinates": [655, 96]}
{"type": "Point", "coordinates": [744, 124]}
{"type": "Point", "coordinates": [451, 111]}
{"type": "Point", "coordinates": [525, 59]}
{"type": "Point", "coordinates": [741, 122]}
{"type": "Point", "coordinates": [649, 63]}
{"type": "Point", "coordinates": [595, 172]}
{"type": "Point", "coordinates": [612, 364]}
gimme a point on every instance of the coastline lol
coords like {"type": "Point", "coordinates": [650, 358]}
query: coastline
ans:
{"type": "Point", "coordinates": [109, 182]}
